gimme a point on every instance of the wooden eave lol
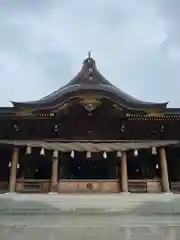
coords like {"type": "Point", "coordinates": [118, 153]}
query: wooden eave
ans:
{"type": "Point", "coordinates": [93, 146]}
{"type": "Point", "coordinates": [13, 113]}
{"type": "Point", "coordinates": [168, 114]}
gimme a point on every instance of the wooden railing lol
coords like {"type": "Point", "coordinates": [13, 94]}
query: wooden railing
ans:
{"type": "Point", "coordinates": [175, 187]}
{"type": "Point", "coordinates": [145, 186]}
{"type": "Point", "coordinates": [137, 186]}
{"type": "Point", "coordinates": [33, 186]}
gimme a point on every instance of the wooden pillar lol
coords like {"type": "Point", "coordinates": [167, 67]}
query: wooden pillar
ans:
{"type": "Point", "coordinates": [124, 176]}
{"type": "Point", "coordinates": [54, 177]}
{"type": "Point", "coordinates": [13, 171]}
{"type": "Point", "coordinates": [164, 171]}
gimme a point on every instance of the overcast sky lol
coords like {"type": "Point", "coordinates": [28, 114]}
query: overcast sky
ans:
{"type": "Point", "coordinates": [136, 45]}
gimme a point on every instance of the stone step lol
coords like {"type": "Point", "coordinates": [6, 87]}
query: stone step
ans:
{"type": "Point", "coordinates": [57, 203]}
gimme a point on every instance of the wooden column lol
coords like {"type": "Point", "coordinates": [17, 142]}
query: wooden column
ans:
{"type": "Point", "coordinates": [164, 171]}
{"type": "Point", "coordinates": [124, 176]}
{"type": "Point", "coordinates": [13, 171]}
{"type": "Point", "coordinates": [54, 177]}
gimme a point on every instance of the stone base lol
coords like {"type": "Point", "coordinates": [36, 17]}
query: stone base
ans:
{"type": "Point", "coordinates": [10, 193]}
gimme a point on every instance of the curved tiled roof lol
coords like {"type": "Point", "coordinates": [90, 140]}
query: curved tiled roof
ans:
{"type": "Point", "coordinates": [90, 79]}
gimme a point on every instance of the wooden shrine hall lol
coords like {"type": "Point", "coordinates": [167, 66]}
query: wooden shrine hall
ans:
{"type": "Point", "coordinates": [87, 137]}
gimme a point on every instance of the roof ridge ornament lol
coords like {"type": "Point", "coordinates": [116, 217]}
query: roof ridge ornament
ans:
{"type": "Point", "coordinates": [89, 61]}
{"type": "Point", "coordinates": [89, 54]}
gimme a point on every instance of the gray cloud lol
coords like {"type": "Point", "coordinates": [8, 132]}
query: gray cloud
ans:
{"type": "Point", "coordinates": [135, 44]}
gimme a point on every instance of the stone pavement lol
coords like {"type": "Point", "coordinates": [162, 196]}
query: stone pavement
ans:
{"type": "Point", "coordinates": [97, 216]}
{"type": "Point", "coordinates": [88, 227]}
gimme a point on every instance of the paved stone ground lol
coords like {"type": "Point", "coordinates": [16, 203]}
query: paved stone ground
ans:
{"type": "Point", "coordinates": [88, 227]}
{"type": "Point", "coordinates": [40, 216]}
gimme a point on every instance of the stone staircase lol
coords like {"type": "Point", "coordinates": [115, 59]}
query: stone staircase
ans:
{"type": "Point", "coordinates": [141, 204]}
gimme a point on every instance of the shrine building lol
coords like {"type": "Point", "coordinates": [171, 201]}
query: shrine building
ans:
{"type": "Point", "coordinates": [89, 137]}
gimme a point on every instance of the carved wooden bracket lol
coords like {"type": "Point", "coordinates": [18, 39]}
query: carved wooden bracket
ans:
{"type": "Point", "coordinates": [90, 102]}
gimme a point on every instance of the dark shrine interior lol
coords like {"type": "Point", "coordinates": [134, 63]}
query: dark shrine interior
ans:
{"type": "Point", "coordinates": [36, 166]}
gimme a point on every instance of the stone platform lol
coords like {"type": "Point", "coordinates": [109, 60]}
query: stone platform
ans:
{"type": "Point", "coordinates": [53, 216]}
{"type": "Point", "coordinates": [141, 204]}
